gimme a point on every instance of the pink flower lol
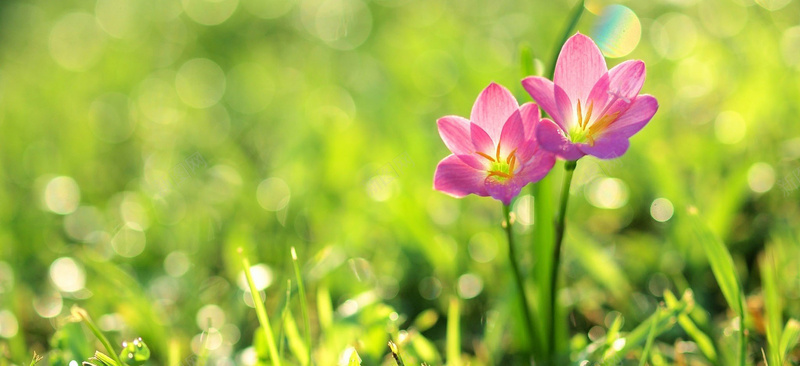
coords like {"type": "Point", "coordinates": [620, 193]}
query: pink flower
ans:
{"type": "Point", "coordinates": [495, 152]}
{"type": "Point", "coordinates": [595, 110]}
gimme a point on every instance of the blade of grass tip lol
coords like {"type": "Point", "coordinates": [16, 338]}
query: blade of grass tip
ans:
{"type": "Point", "coordinates": [703, 341]}
{"type": "Point", "coordinates": [174, 356]}
{"type": "Point", "coordinates": [454, 333]}
{"type": "Point", "coordinates": [612, 338]}
{"type": "Point", "coordinates": [261, 311]}
{"type": "Point", "coordinates": [202, 358]}
{"type": "Point", "coordinates": [724, 271]}
{"type": "Point", "coordinates": [651, 336]}
{"type": "Point", "coordinates": [303, 303]}
{"type": "Point", "coordinates": [773, 308]}
{"type": "Point", "coordinates": [613, 331]}
{"type": "Point", "coordinates": [791, 335]}
{"type": "Point", "coordinates": [396, 354]}
{"type": "Point", "coordinates": [283, 317]}
{"type": "Point", "coordinates": [79, 313]}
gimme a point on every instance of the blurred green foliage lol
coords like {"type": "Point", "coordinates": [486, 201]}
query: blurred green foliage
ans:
{"type": "Point", "coordinates": [143, 141]}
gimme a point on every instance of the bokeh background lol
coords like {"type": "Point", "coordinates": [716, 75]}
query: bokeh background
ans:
{"type": "Point", "coordinates": [143, 141]}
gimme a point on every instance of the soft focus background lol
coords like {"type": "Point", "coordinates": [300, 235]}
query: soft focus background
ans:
{"type": "Point", "coordinates": [143, 141]}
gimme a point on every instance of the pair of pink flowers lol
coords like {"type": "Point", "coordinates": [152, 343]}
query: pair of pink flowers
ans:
{"type": "Point", "coordinates": [504, 146]}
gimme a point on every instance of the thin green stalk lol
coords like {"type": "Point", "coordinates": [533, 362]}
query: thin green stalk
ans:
{"type": "Point", "coordinates": [283, 317]}
{"type": "Point", "coordinates": [577, 11]}
{"type": "Point", "coordinates": [650, 338]}
{"type": "Point", "coordinates": [81, 314]}
{"type": "Point", "coordinates": [569, 169]}
{"type": "Point", "coordinates": [303, 303]}
{"type": "Point", "coordinates": [261, 312]}
{"type": "Point", "coordinates": [512, 258]}
{"type": "Point", "coordinates": [453, 333]}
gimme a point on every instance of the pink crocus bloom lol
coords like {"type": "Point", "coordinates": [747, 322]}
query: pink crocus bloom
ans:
{"type": "Point", "coordinates": [594, 110]}
{"type": "Point", "coordinates": [495, 152]}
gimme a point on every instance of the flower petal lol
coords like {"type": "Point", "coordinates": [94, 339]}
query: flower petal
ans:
{"type": "Point", "coordinates": [531, 115]}
{"type": "Point", "coordinates": [552, 138]}
{"type": "Point", "coordinates": [492, 108]}
{"type": "Point", "coordinates": [503, 191]}
{"type": "Point", "coordinates": [634, 118]}
{"type": "Point", "coordinates": [513, 134]}
{"type": "Point", "coordinates": [455, 133]}
{"type": "Point", "coordinates": [606, 148]}
{"type": "Point", "coordinates": [542, 91]}
{"type": "Point", "coordinates": [537, 168]}
{"type": "Point", "coordinates": [580, 64]}
{"type": "Point", "coordinates": [598, 97]}
{"type": "Point", "coordinates": [458, 179]}
{"type": "Point", "coordinates": [482, 142]}
{"type": "Point", "coordinates": [626, 79]}
{"type": "Point", "coordinates": [551, 98]}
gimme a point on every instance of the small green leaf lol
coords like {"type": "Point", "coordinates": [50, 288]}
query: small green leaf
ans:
{"type": "Point", "coordinates": [791, 335]}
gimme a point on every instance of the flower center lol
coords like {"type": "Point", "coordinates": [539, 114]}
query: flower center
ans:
{"type": "Point", "coordinates": [501, 169]}
{"type": "Point", "coordinates": [585, 132]}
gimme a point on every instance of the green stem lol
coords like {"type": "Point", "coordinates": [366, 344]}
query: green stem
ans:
{"type": "Point", "coordinates": [576, 15]}
{"type": "Point", "coordinates": [569, 169]}
{"type": "Point", "coordinates": [83, 315]}
{"type": "Point", "coordinates": [512, 257]}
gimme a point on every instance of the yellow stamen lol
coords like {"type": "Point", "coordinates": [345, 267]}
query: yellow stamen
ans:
{"type": "Point", "coordinates": [498, 151]}
{"type": "Point", "coordinates": [510, 155]}
{"type": "Point", "coordinates": [511, 164]}
{"type": "Point", "coordinates": [588, 115]}
{"type": "Point", "coordinates": [580, 114]}
{"type": "Point", "coordinates": [485, 155]}
{"type": "Point", "coordinates": [602, 123]}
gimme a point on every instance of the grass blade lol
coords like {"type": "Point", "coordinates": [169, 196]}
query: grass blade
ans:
{"type": "Point", "coordinates": [650, 339]}
{"type": "Point", "coordinates": [283, 317]}
{"type": "Point", "coordinates": [791, 335]}
{"type": "Point", "coordinates": [454, 333]}
{"type": "Point", "coordinates": [663, 320]}
{"type": "Point", "coordinates": [303, 304]}
{"type": "Point", "coordinates": [296, 343]}
{"type": "Point", "coordinates": [261, 312]}
{"type": "Point", "coordinates": [724, 271]}
{"type": "Point", "coordinates": [773, 308]}
{"type": "Point", "coordinates": [703, 341]}
{"type": "Point", "coordinates": [81, 314]}
{"type": "Point", "coordinates": [396, 354]}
